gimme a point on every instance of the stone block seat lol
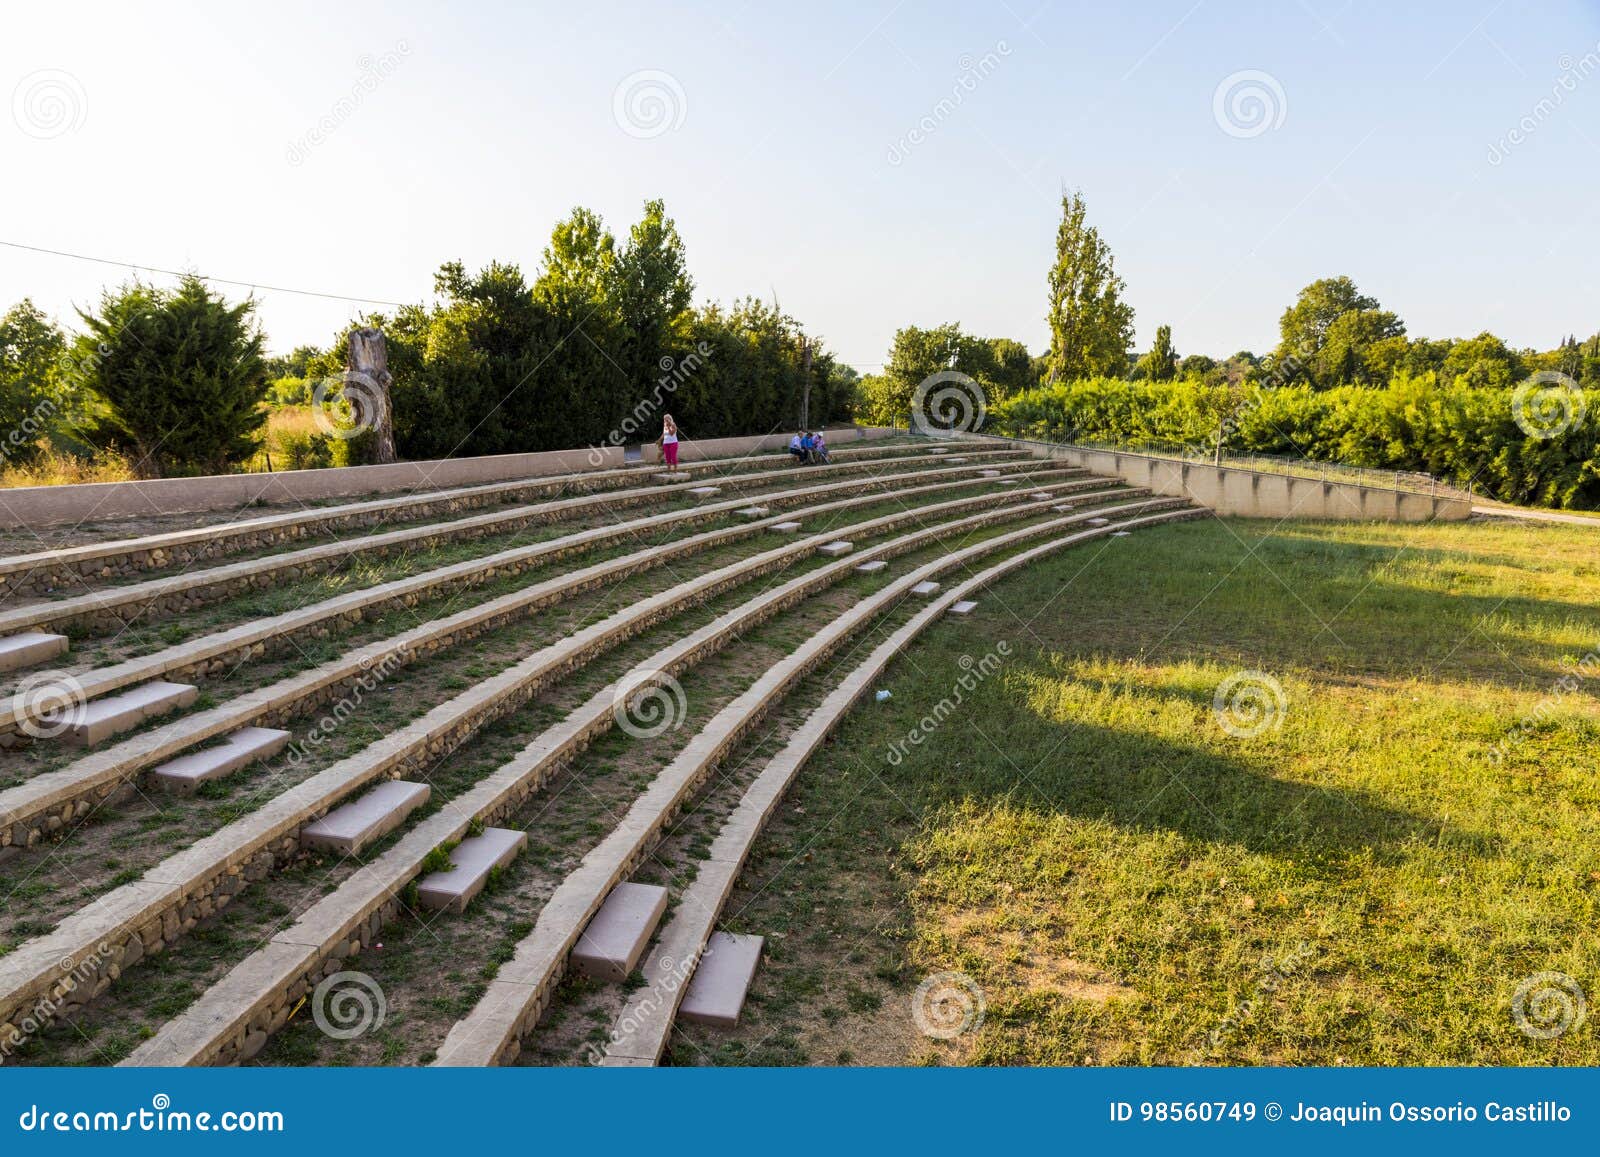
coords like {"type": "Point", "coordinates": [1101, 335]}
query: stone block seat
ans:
{"type": "Point", "coordinates": [185, 774]}
{"type": "Point", "coordinates": [30, 647]}
{"type": "Point", "coordinates": [721, 980]}
{"type": "Point", "coordinates": [89, 723]}
{"type": "Point", "coordinates": [471, 862]}
{"type": "Point", "coordinates": [836, 548]}
{"type": "Point", "coordinates": [355, 825]}
{"type": "Point", "coordinates": [611, 945]}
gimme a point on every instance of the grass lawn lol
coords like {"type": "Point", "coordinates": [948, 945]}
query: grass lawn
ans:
{"type": "Point", "coordinates": [1357, 860]}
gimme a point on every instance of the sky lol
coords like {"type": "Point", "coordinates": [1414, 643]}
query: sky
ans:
{"type": "Point", "coordinates": [872, 165]}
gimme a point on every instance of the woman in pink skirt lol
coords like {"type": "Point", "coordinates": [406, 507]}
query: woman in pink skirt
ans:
{"type": "Point", "coordinates": [669, 441]}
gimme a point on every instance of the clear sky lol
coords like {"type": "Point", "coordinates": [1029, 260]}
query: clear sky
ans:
{"type": "Point", "coordinates": [830, 153]}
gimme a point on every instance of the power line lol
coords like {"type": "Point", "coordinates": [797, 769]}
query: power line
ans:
{"type": "Point", "coordinates": [202, 277]}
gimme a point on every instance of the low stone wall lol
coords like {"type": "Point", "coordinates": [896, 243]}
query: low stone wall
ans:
{"type": "Point", "coordinates": [52, 505]}
{"type": "Point", "coordinates": [1241, 493]}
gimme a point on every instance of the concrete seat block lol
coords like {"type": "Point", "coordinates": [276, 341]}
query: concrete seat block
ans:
{"type": "Point", "coordinates": [186, 773]}
{"type": "Point", "coordinates": [611, 945]}
{"type": "Point", "coordinates": [704, 491]}
{"type": "Point", "coordinates": [30, 647]}
{"type": "Point", "coordinates": [955, 461]}
{"type": "Point", "coordinates": [716, 994]}
{"type": "Point", "coordinates": [1064, 508]}
{"type": "Point", "coordinates": [925, 588]}
{"type": "Point", "coordinates": [786, 527]}
{"type": "Point", "coordinates": [988, 474]}
{"type": "Point", "coordinates": [964, 607]}
{"type": "Point", "coordinates": [472, 859]}
{"type": "Point", "coordinates": [872, 567]}
{"type": "Point", "coordinates": [352, 827]}
{"type": "Point", "coordinates": [752, 511]}
{"type": "Point", "coordinates": [1041, 496]}
{"type": "Point", "coordinates": [1099, 522]}
{"type": "Point", "coordinates": [91, 722]}
{"type": "Point", "coordinates": [669, 476]}
{"type": "Point", "coordinates": [1120, 533]}
{"type": "Point", "coordinates": [836, 548]}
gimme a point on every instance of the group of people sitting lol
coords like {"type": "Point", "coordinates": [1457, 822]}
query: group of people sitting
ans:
{"type": "Point", "coordinates": [808, 447]}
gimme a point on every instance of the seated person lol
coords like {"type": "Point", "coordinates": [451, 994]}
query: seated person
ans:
{"type": "Point", "coordinates": [797, 448]}
{"type": "Point", "coordinates": [819, 448]}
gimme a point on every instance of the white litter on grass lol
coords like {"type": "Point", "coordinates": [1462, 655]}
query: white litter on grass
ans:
{"type": "Point", "coordinates": [883, 696]}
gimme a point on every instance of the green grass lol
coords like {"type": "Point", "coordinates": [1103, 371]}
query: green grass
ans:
{"type": "Point", "coordinates": [1364, 882]}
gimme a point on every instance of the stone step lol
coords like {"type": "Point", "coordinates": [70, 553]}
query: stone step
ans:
{"type": "Point", "coordinates": [1041, 496]}
{"type": "Point", "coordinates": [721, 980]}
{"type": "Point", "coordinates": [752, 511]}
{"type": "Point", "coordinates": [963, 607]}
{"type": "Point", "coordinates": [611, 945]}
{"type": "Point", "coordinates": [29, 648]}
{"type": "Point", "coordinates": [786, 527]}
{"type": "Point", "coordinates": [925, 588]}
{"type": "Point", "coordinates": [89, 723]}
{"type": "Point", "coordinates": [185, 774]}
{"type": "Point", "coordinates": [1098, 522]}
{"type": "Point", "coordinates": [955, 461]}
{"type": "Point", "coordinates": [352, 827]}
{"type": "Point", "coordinates": [704, 491]}
{"type": "Point", "coordinates": [836, 548]}
{"type": "Point", "coordinates": [872, 567]}
{"type": "Point", "coordinates": [472, 859]}
{"type": "Point", "coordinates": [988, 474]}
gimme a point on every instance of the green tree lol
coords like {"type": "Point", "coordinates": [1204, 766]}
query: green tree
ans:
{"type": "Point", "coordinates": [579, 264]}
{"type": "Point", "coordinates": [651, 290]}
{"type": "Point", "coordinates": [1355, 350]}
{"type": "Point", "coordinates": [1161, 363]}
{"type": "Point", "coordinates": [179, 377]}
{"type": "Point", "coordinates": [1484, 360]}
{"type": "Point", "coordinates": [1013, 367]}
{"type": "Point", "coordinates": [31, 396]}
{"type": "Point", "coordinates": [1305, 328]}
{"type": "Point", "coordinates": [1091, 327]}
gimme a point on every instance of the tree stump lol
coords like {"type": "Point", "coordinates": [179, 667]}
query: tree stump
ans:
{"type": "Point", "coordinates": [366, 388]}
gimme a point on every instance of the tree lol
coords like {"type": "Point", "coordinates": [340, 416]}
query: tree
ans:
{"type": "Point", "coordinates": [579, 263]}
{"type": "Point", "coordinates": [1091, 327]}
{"type": "Point", "coordinates": [1355, 350]}
{"type": "Point", "coordinates": [1305, 326]}
{"type": "Point", "coordinates": [179, 377]}
{"type": "Point", "coordinates": [652, 291]}
{"type": "Point", "coordinates": [1012, 371]}
{"type": "Point", "coordinates": [31, 348]}
{"type": "Point", "coordinates": [1161, 363]}
{"type": "Point", "coordinates": [1484, 360]}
